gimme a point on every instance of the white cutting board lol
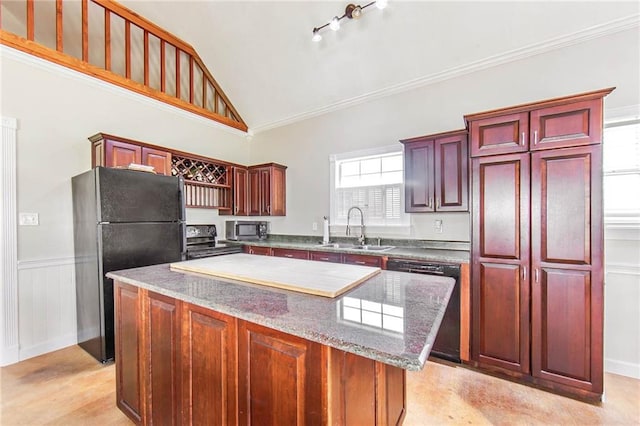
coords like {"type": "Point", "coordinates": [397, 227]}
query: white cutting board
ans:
{"type": "Point", "coordinates": [307, 276]}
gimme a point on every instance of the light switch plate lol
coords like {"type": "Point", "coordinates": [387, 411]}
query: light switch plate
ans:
{"type": "Point", "coordinates": [438, 226]}
{"type": "Point", "coordinates": [314, 226]}
{"type": "Point", "coordinates": [29, 219]}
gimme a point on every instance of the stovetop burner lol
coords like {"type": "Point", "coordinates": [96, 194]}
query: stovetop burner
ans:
{"type": "Point", "coordinates": [201, 242]}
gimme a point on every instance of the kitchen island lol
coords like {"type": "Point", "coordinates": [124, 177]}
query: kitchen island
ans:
{"type": "Point", "coordinates": [197, 349]}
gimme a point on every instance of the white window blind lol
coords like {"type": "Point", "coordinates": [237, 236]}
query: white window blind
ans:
{"type": "Point", "coordinates": [372, 181]}
{"type": "Point", "coordinates": [621, 166]}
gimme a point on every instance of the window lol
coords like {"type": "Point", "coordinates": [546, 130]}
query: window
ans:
{"type": "Point", "coordinates": [371, 180]}
{"type": "Point", "coordinates": [621, 167]}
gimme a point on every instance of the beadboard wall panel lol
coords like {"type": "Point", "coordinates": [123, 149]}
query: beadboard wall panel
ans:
{"type": "Point", "coordinates": [47, 301]}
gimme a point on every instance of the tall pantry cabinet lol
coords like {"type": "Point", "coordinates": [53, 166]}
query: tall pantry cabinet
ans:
{"type": "Point", "coordinates": [537, 242]}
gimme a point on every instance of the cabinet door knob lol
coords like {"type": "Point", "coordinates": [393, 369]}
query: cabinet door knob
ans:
{"type": "Point", "coordinates": [535, 137]}
{"type": "Point", "coordinates": [522, 139]}
{"type": "Point", "coordinates": [524, 273]}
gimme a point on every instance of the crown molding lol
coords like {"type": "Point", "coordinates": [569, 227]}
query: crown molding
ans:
{"type": "Point", "coordinates": [32, 60]}
{"type": "Point", "coordinates": [535, 49]}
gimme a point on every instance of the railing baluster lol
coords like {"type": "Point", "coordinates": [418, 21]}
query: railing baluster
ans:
{"type": "Point", "coordinates": [30, 23]}
{"type": "Point", "coordinates": [59, 35]}
{"type": "Point", "coordinates": [177, 72]}
{"type": "Point", "coordinates": [190, 79]}
{"type": "Point", "coordinates": [107, 39]}
{"type": "Point", "coordinates": [127, 48]}
{"type": "Point", "coordinates": [146, 57]}
{"type": "Point", "coordinates": [204, 91]}
{"type": "Point", "coordinates": [162, 67]}
{"type": "Point", "coordinates": [215, 101]}
{"type": "Point", "coordinates": [85, 30]}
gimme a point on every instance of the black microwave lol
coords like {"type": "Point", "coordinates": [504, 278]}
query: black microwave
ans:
{"type": "Point", "coordinates": [238, 230]}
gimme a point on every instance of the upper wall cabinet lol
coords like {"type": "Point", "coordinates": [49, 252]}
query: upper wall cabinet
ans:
{"type": "Point", "coordinates": [559, 123]}
{"type": "Point", "coordinates": [207, 182]}
{"type": "Point", "coordinates": [110, 151]}
{"type": "Point", "coordinates": [436, 173]}
{"type": "Point", "coordinates": [267, 190]}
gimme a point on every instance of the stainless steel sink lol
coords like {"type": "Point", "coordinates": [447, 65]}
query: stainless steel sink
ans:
{"type": "Point", "coordinates": [358, 247]}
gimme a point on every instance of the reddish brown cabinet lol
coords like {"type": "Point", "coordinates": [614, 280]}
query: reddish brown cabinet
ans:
{"type": "Point", "coordinates": [261, 250]}
{"type": "Point", "coordinates": [323, 256]}
{"type": "Point", "coordinates": [267, 190]}
{"type": "Point", "coordinates": [209, 360]}
{"type": "Point", "coordinates": [129, 376]}
{"type": "Point", "coordinates": [240, 191]}
{"type": "Point", "coordinates": [567, 263]}
{"type": "Point", "coordinates": [290, 253]}
{"type": "Point", "coordinates": [178, 363]}
{"type": "Point", "coordinates": [111, 151]}
{"type": "Point", "coordinates": [537, 245]}
{"type": "Point", "coordinates": [362, 259]}
{"type": "Point", "coordinates": [558, 123]}
{"type": "Point", "coordinates": [436, 172]}
{"type": "Point", "coordinates": [500, 248]}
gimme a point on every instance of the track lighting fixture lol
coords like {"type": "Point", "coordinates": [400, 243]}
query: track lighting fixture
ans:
{"type": "Point", "coordinates": [352, 11]}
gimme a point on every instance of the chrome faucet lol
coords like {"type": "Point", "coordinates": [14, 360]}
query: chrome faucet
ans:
{"type": "Point", "coordinates": [361, 238]}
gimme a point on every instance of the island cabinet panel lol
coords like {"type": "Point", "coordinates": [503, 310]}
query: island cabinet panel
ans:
{"type": "Point", "coordinates": [279, 379]}
{"type": "Point", "coordinates": [364, 392]}
{"type": "Point", "coordinates": [209, 360]}
{"type": "Point", "coordinates": [161, 336]}
{"type": "Point", "coordinates": [290, 253]}
{"type": "Point", "coordinates": [127, 332]}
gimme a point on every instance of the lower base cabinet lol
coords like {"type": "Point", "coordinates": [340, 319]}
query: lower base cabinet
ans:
{"type": "Point", "coordinates": [177, 363]}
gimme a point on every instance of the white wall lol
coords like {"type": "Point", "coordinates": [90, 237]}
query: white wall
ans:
{"type": "Point", "coordinates": [57, 110]}
{"type": "Point", "coordinates": [613, 60]}
{"type": "Point", "coordinates": [305, 146]}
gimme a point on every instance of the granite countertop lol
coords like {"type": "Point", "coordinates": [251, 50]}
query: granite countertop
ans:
{"type": "Point", "coordinates": [451, 252]}
{"type": "Point", "coordinates": [392, 317]}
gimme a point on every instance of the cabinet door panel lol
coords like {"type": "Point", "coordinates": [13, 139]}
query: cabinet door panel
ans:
{"type": "Point", "coordinates": [500, 135]}
{"type": "Point", "coordinates": [360, 259]}
{"type": "Point", "coordinates": [562, 331]}
{"type": "Point", "coordinates": [121, 154]}
{"type": "Point", "coordinates": [160, 160]}
{"type": "Point", "coordinates": [265, 192]}
{"type": "Point", "coordinates": [419, 177]}
{"type": "Point", "coordinates": [501, 317]}
{"type": "Point", "coordinates": [290, 253]}
{"type": "Point", "coordinates": [501, 208]}
{"type": "Point", "coordinates": [322, 256]}
{"type": "Point", "coordinates": [562, 205]}
{"type": "Point", "coordinates": [209, 358]}
{"type": "Point", "coordinates": [567, 125]}
{"type": "Point", "coordinates": [451, 174]}
{"type": "Point", "coordinates": [128, 374]}
{"type": "Point", "coordinates": [254, 192]}
{"type": "Point", "coordinates": [500, 285]}
{"type": "Point", "coordinates": [240, 196]}
{"type": "Point", "coordinates": [278, 196]}
{"type": "Point", "coordinates": [162, 342]}
{"type": "Point", "coordinates": [279, 380]}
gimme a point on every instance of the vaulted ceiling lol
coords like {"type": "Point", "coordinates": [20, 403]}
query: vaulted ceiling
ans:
{"type": "Point", "coordinates": [261, 52]}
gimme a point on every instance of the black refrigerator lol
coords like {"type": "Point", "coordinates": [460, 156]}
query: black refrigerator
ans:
{"type": "Point", "coordinates": [121, 219]}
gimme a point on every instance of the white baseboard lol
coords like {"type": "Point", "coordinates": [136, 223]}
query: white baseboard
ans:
{"type": "Point", "coordinates": [48, 346]}
{"type": "Point", "coordinates": [10, 355]}
{"type": "Point", "coordinates": [622, 368]}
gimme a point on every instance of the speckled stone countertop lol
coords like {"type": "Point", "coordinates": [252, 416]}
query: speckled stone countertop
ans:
{"type": "Point", "coordinates": [392, 318]}
{"type": "Point", "coordinates": [438, 251]}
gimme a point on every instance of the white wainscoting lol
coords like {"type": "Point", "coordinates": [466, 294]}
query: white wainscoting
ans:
{"type": "Point", "coordinates": [47, 305]}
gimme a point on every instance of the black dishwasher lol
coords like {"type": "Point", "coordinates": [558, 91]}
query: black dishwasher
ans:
{"type": "Point", "coordinates": [447, 344]}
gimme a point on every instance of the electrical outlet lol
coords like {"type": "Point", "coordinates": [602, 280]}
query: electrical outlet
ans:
{"type": "Point", "coordinates": [314, 226]}
{"type": "Point", "coordinates": [29, 219]}
{"type": "Point", "coordinates": [438, 226]}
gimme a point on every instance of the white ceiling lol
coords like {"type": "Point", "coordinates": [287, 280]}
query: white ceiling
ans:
{"type": "Point", "coordinates": [261, 52]}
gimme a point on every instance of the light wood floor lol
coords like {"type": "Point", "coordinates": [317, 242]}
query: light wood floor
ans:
{"type": "Point", "coordinates": [69, 387]}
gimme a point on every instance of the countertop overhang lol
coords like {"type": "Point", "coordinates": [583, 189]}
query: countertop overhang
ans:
{"type": "Point", "coordinates": [392, 317]}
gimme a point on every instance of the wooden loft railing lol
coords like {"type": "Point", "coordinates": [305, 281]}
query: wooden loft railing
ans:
{"type": "Point", "coordinates": [104, 39]}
